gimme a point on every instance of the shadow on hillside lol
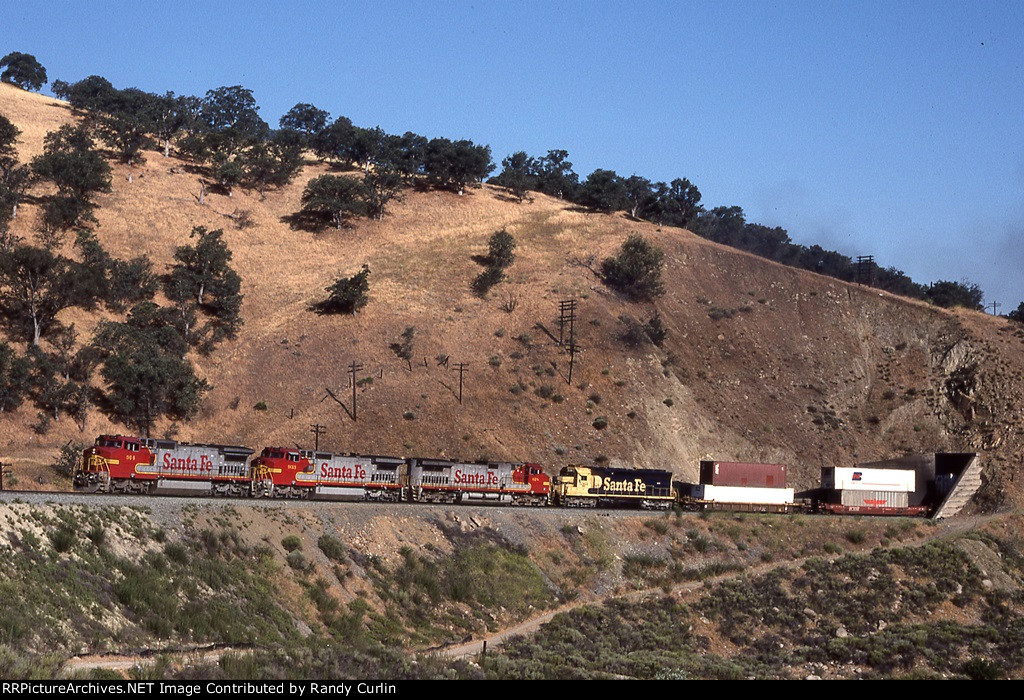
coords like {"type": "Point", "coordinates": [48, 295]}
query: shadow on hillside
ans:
{"type": "Point", "coordinates": [309, 221]}
{"type": "Point", "coordinates": [511, 198]}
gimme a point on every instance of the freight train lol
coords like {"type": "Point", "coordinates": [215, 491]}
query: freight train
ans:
{"type": "Point", "coordinates": [134, 465]}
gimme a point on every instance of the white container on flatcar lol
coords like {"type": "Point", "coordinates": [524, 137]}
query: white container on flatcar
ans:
{"type": "Point", "coordinates": [874, 499]}
{"type": "Point", "coordinates": [742, 494]}
{"type": "Point", "coordinates": [859, 479]}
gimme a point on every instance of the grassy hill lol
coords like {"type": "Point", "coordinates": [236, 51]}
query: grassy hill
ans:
{"type": "Point", "coordinates": [762, 362]}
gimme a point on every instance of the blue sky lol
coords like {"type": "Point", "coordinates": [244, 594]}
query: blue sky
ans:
{"type": "Point", "coordinates": [892, 129]}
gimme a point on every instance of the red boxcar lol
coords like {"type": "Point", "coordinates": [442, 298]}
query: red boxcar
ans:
{"type": "Point", "coordinates": [715, 473]}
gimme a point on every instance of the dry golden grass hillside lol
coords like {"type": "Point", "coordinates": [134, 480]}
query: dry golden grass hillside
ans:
{"type": "Point", "coordinates": [762, 362]}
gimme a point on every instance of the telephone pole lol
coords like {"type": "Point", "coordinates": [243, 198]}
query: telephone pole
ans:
{"type": "Point", "coordinates": [573, 349]}
{"type": "Point", "coordinates": [352, 369]}
{"type": "Point", "coordinates": [566, 317]}
{"type": "Point", "coordinates": [461, 369]}
{"type": "Point", "coordinates": [866, 270]}
{"type": "Point", "coordinates": [317, 431]}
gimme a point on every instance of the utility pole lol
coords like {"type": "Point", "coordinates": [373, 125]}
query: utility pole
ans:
{"type": "Point", "coordinates": [352, 369]}
{"type": "Point", "coordinates": [566, 317]}
{"type": "Point", "coordinates": [866, 270]}
{"type": "Point", "coordinates": [995, 305]}
{"type": "Point", "coordinates": [317, 431]}
{"type": "Point", "coordinates": [573, 349]}
{"type": "Point", "coordinates": [461, 369]}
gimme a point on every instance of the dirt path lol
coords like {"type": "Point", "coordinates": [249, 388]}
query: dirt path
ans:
{"type": "Point", "coordinates": [944, 529]}
{"type": "Point", "coordinates": [124, 663]}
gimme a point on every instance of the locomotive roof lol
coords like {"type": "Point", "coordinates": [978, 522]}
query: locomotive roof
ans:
{"type": "Point", "coordinates": [620, 470]}
{"type": "Point", "coordinates": [171, 444]}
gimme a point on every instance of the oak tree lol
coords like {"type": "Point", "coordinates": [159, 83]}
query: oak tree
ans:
{"type": "Point", "coordinates": [23, 70]}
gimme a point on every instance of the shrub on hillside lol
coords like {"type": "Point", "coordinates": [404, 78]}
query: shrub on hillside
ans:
{"type": "Point", "coordinates": [347, 295]}
{"type": "Point", "coordinates": [636, 270]}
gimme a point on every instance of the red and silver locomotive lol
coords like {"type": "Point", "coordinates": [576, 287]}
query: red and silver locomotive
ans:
{"type": "Point", "coordinates": [284, 472]}
{"type": "Point", "coordinates": [122, 464]}
{"type": "Point", "coordinates": [445, 481]}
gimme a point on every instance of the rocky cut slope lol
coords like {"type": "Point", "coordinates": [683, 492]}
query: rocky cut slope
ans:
{"type": "Point", "coordinates": [761, 361]}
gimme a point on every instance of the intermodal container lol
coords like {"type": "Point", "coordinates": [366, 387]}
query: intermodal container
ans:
{"type": "Point", "coordinates": [742, 494]}
{"type": "Point", "coordinates": [715, 473]}
{"type": "Point", "coordinates": [861, 479]}
{"type": "Point", "coordinates": [874, 499]}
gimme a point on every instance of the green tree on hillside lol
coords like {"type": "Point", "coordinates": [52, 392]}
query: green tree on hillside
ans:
{"type": "Point", "coordinates": [35, 286]}
{"type": "Point", "coordinates": [144, 370]}
{"type": "Point", "coordinates": [23, 70]}
{"type": "Point", "coordinates": [948, 294]}
{"type": "Point", "coordinates": [455, 164]}
{"type": "Point", "coordinates": [638, 193]}
{"type": "Point", "coordinates": [14, 178]}
{"type": "Point", "coordinates": [676, 204]}
{"type": "Point", "coordinates": [636, 270]}
{"type": "Point", "coordinates": [408, 155]}
{"type": "Point", "coordinates": [366, 146]}
{"type": "Point", "coordinates": [518, 174]}
{"type": "Point", "coordinates": [305, 119]}
{"type": "Point", "coordinates": [72, 163]}
{"type": "Point", "coordinates": [380, 186]}
{"type": "Point", "coordinates": [272, 163]}
{"type": "Point", "coordinates": [501, 247]}
{"type": "Point", "coordinates": [93, 94]}
{"type": "Point", "coordinates": [172, 115]}
{"type": "Point", "coordinates": [555, 175]}
{"type": "Point", "coordinates": [8, 137]}
{"type": "Point", "coordinates": [331, 142]}
{"type": "Point", "coordinates": [120, 284]}
{"type": "Point", "coordinates": [14, 372]}
{"type": "Point", "coordinates": [126, 126]}
{"type": "Point", "coordinates": [232, 121]}
{"type": "Point", "coordinates": [603, 191]}
{"type": "Point", "coordinates": [338, 198]}
{"type": "Point", "coordinates": [202, 274]}
{"type": "Point", "coordinates": [1017, 314]}
{"type": "Point", "coordinates": [721, 225]}
{"type": "Point", "coordinates": [347, 295]}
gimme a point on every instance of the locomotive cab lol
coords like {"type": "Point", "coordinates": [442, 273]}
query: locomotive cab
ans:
{"type": "Point", "coordinates": [111, 458]}
{"type": "Point", "coordinates": [278, 467]}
